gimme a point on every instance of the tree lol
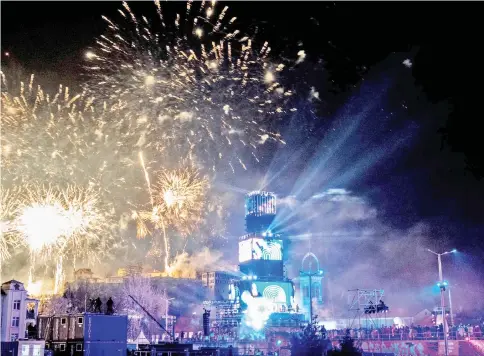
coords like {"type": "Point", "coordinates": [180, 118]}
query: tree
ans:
{"type": "Point", "coordinates": [54, 305]}
{"type": "Point", "coordinates": [310, 341]}
{"type": "Point", "coordinates": [150, 297]}
{"type": "Point", "coordinates": [347, 347]}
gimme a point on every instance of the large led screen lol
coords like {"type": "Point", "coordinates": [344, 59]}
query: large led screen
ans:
{"type": "Point", "coordinates": [260, 249]}
{"type": "Point", "coordinates": [278, 294]}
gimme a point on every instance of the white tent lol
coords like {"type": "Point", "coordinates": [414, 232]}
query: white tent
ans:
{"type": "Point", "coordinates": [141, 339]}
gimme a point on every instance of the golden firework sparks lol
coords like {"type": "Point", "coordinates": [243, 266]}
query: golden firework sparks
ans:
{"type": "Point", "coordinates": [197, 88]}
{"type": "Point", "coordinates": [179, 198]}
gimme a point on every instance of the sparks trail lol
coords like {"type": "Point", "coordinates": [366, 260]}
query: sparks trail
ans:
{"type": "Point", "coordinates": [179, 199]}
{"type": "Point", "coordinates": [190, 84]}
{"type": "Point", "coordinates": [10, 237]}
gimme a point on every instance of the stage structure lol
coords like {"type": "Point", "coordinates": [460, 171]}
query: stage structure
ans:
{"type": "Point", "coordinates": [259, 295]}
{"type": "Point", "coordinates": [363, 303]}
{"type": "Point", "coordinates": [310, 284]}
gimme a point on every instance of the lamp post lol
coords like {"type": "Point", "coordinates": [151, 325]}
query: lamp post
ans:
{"type": "Point", "coordinates": [442, 297]}
{"type": "Point", "coordinates": [310, 275]}
{"type": "Point", "coordinates": [166, 316]}
{"type": "Point", "coordinates": [450, 308]}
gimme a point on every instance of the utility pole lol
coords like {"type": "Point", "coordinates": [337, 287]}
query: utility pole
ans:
{"type": "Point", "coordinates": [442, 285]}
{"type": "Point", "coordinates": [451, 311]}
{"type": "Point", "coordinates": [442, 304]}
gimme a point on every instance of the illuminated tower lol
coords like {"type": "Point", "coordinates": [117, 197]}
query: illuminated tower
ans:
{"type": "Point", "coordinates": [260, 211]}
{"type": "Point", "coordinates": [260, 251]}
{"type": "Point", "coordinates": [262, 290]}
{"type": "Point", "coordinates": [310, 284]}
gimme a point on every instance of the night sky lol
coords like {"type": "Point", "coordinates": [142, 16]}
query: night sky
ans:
{"type": "Point", "coordinates": [349, 46]}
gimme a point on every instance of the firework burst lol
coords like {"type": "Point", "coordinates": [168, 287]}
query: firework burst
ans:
{"type": "Point", "coordinates": [64, 139]}
{"type": "Point", "coordinates": [77, 227]}
{"type": "Point", "coordinates": [178, 201]}
{"type": "Point", "coordinates": [9, 200]}
{"type": "Point", "coordinates": [190, 84]}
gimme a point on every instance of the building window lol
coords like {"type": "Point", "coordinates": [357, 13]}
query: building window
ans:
{"type": "Point", "coordinates": [80, 320]}
{"type": "Point", "coordinates": [16, 304]}
{"type": "Point", "coordinates": [36, 350]}
{"type": "Point", "coordinates": [25, 350]}
{"type": "Point", "coordinates": [63, 321]}
{"type": "Point", "coordinates": [16, 322]}
{"type": "Point", "coordinates": [62, 347]}
{"type": "Point", "coordinates": [13, 337]}
{"type": "Point", "coordinates": [78, 347]}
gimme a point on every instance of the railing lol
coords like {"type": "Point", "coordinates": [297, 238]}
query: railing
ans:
{"type": "Point", "coordinates": [429, 335]}
{"type": "Point", "coordinates": [30, 315]}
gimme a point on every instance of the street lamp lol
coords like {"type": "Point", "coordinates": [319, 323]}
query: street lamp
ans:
{"type": "Point", "coordinates": [166, 317]}
{"type": "Point", "coordinates": [442, 285]}
{"type": "Point", "coordinates": [310, 275]}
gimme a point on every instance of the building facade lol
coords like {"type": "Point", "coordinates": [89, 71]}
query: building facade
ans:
{"type": "Point", "coordinates": [217, 283]}
{"type": "Point", "coordinates": [84, 334]}
{"type": "Point", "coordinates": [19, 312]}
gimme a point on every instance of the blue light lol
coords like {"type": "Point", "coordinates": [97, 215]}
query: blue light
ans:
{"type": "Point", "coordinates": [279, 342]}
{"type": "Point", "coordinates": [454, 251]}
{"type": "Point", "coordinates": [255, 277]}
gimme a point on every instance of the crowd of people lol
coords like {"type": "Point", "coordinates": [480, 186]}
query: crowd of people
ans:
{"type": "Point", "coordinates": [413, 332]}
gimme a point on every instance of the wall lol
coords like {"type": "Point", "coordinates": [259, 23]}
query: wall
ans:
{"type": "Point", "coordinates": [105, 334]}
{"type": "Point", "coordinates": [418, 348]}
{"type": "Point", "coordinates": [11, 294]}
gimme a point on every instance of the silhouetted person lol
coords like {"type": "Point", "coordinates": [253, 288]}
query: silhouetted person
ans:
{"type": "Point", "coordinates": [231, 352]}
{"type": "Point", "coordinates": [92, 305]}
{"type": "Point", "coordinates": [98, 305]}
{"type": "Point", "coordinates": [31, 331]}
{"type": "Point", "coordinates": [110, 307]}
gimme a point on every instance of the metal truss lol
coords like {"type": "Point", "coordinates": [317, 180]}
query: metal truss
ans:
{"type": "Point", "coordinates": [361, 299]}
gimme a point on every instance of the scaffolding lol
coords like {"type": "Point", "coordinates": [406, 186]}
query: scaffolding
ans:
{"type": "Point", "coordinates": [227, 316]}
{"type": "Point", "coordinates": [361, 300]}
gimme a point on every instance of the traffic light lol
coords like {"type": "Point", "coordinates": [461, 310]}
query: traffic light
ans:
{"type": "Point", "coordinates": [206, 322]}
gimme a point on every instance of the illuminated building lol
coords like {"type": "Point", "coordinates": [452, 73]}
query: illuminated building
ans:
{"type": "Point", "coordinates": [217, 283]}
{"type": "Point", "coordinates": [18, 311]}
{"type": "Point", "coordinates": [130, 271]}
{"type": "Point", "coordinates": [310, 284]}
{"type": "Point", "coordinates": [259, 296]}
{"type": "Point", "coordinates": [83, 273]}
{"type": "Point", "coordinates": [260, 211]}
{"type": "Point", "coordinates": [263, 292]}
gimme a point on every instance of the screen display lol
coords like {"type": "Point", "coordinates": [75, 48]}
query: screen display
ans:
{"type": "Point", "coordinates": [260, 249]}
{"type": "Point", "coordinates": [278, 294]}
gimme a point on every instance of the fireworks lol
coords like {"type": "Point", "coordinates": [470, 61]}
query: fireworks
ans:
{"type": "Point", "coordinates": [65, 139]}
{"type": "Point", "coordinates": [76, 227]}
{"type": "Point", "coordinates": [8, 211]}
{"type": "Point", "coordinates": [178, 202]}
{"type": "Point", "coordinates": [187, 88]}
{"type": "Point", "coordinates": [194, 86]}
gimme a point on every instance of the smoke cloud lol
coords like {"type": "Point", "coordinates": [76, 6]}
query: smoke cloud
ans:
{"type": "Point", "coordinates": [357, 250]}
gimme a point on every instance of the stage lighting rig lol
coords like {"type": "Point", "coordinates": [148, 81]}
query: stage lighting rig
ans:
{"type": "Point", "coordinates": [381, 307]}
{"type": "Point", "coordinates": [442, 285]}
